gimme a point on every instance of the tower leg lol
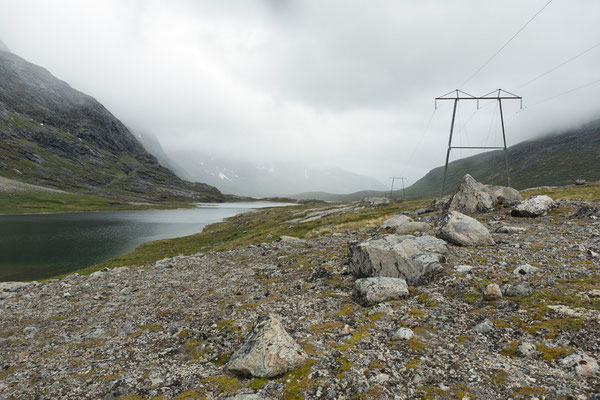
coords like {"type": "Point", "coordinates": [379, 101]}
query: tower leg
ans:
{"type": "Point", "coordinates": [505, 148]}
{"type": "Point", "coordinates": [449, 147]}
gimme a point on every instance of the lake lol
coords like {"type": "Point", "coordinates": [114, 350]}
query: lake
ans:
{"type": "Point", "coordinates": [44, 245]}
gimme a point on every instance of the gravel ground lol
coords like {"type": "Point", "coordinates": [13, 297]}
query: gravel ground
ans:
{"type": "Point", "coordinates": [168, 329]}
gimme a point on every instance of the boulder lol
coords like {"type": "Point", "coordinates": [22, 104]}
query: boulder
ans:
{"type": "Point", "coordinates": [506, 195]}
{"type": "Point", "coordinates": [402, 224]}
{"type": "Point", "coordinates": [582, 364]}
{"type": "Point", "coordinates": [534, 206]}
{"type": "Point", "coordinates": [463, 230]}
{"type": "Point", "coordinates": [492, 292]}
{"type": "Point", "coordinates": [377, 201]}
{"type": "Point", "coordinates": [472, 197]}
{"type": "Point", "coordinates": [484, 327]}
{"type": "Point", "coordinates": [268, 351]}
{"type": "Point", "coordinates": [518, 290]}
{"type": "Point", "coordinates": [580, 182]}
{"type": "Point", "coordinates": [526, 349]}
{"type": "Point", "coordinates": [409, 257]}
{"type": "Point", "coordinates": [402, 334]}
{"type": "Point", "coordinates": [371, 291]}
{"type": "Point", "coordinates": [525, 269]}
{"type": "Point", "coordinates": [510, 229]}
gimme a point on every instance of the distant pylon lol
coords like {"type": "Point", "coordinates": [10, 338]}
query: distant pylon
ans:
{"type": "Point", "coordinates": [393, 178]}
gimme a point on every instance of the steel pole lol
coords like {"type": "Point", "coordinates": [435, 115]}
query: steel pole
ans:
{"type": "Point", "coordinates": [505, 148]}
{"type": "Point", "coordinates": [449, 147]}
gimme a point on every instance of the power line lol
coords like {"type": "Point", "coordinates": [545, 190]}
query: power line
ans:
{"type": "Point", "coordinates": [557, 95]}
{"type": "Point", "coordinates": [421, 137]}
{"type": "Point", "coordinates": [566, 92]}
{"type": "Point", "coordinates": [505, 44]}
{"type": "Point", "coordinates": [557, 67]}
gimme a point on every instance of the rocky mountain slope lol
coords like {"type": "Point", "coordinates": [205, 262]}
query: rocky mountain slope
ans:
{"type": "Point", "coordinates": [53, 135]}
{"type": "Point", "coordinates": [552, 160]}
{"type": "Point", "coordinates": [517, 317]}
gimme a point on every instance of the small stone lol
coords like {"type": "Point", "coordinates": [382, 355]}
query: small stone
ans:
{"type": "Point", "coordinates": [518, 290]}
{"type": "Point", "coordinates": [67, 295]}
{"type": "Point", "coordinates": [484, 327]}
{"type": "Point", "coordinates": [492, 292]}
{"type": "Point", "coordinates": [384, 308]}
{"type": "Point", "coordinates": [463, 268]}
{"type": "Point", "coordinates": [594, 293]}
{"type": "Point", "coordinates": [510, 229]}
{"type": "Point", "coordinates": [525, 269]}
{"type": "Point", "coordinates": [402, 334]}
{"type": "Point", "coordinates": [526, 349]}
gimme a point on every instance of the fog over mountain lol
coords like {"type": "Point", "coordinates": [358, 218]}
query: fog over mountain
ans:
{"type": "Point", "coordinates": [340, 84]}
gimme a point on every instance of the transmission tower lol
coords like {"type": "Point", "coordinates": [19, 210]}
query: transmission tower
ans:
{"type": "Point", "coordinates": [457, 95]}
{"type": "Point", "coordinates": [393, 178]}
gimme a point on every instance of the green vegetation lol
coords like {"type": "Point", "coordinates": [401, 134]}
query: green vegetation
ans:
{"type": "Point", "coordinates": [35, 202]}
{"type": "Point", "coordinates": [590, 191]}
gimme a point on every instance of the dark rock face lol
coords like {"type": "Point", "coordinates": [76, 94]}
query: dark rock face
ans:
{"type": "Point", "coordinates": [53, 135]}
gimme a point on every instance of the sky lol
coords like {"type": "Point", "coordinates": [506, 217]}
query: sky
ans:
{"type": "Point", "coordinates": [341, 83]}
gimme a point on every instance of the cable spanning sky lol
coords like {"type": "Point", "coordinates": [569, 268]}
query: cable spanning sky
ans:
{"type": "Point", "coordinates": [343, 83]}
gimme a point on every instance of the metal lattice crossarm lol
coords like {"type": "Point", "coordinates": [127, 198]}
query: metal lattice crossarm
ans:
{"type": "Point", "coordinates": [456, 95]}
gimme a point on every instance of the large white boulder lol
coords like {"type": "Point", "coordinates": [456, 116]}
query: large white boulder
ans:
{"type": "Point", "coordinates": [534, 206]}
{"type": "Point", "coordinates": [395, 256]}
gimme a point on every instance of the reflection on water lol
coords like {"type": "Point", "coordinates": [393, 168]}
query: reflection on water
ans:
{"type": "Point", "coordinates": [40, 246]}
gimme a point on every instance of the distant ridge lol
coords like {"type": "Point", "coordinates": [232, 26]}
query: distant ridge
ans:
{"type": "Point", "coordinates": [4, 47]}
{"type": "Point", "coordinates": [552, 160]}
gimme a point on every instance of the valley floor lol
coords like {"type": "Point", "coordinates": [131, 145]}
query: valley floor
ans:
{"type": "Point", "coordinates": [167, 328]}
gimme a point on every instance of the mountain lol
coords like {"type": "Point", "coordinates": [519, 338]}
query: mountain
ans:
{"type": "Point", "coordinates": [53, 135]}
{"type": "Point", "coordinates": [265, 180]}
{"type": "Point", "coordinates": [551, 160]}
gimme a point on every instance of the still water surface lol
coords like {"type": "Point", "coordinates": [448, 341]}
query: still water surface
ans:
{"type": "Point", "coordinates": [41, 246]}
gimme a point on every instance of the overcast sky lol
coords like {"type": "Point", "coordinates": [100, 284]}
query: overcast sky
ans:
{"type": "Point", "coordinates": [327, 82]}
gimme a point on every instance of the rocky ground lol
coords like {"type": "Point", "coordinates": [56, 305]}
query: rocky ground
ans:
{"type": "Point", "coordinates": [168, 330]}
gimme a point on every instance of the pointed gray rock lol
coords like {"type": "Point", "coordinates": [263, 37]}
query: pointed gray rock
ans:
{"type": "Point", "coordinates": [472, 197]}
{"type": "Point", "coordinates": [268, 351]}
